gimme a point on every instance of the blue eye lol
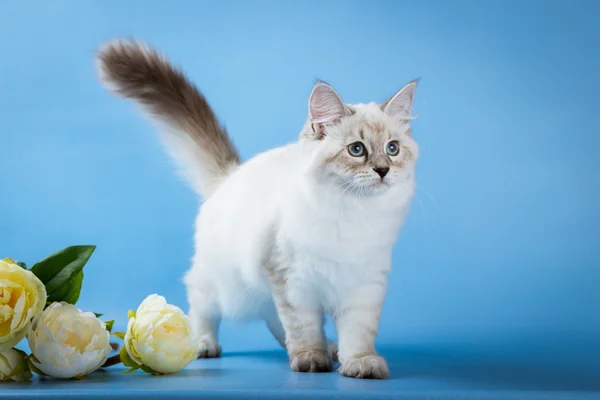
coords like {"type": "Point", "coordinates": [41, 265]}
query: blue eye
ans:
{"type": "Point", "coordinates": [392, 148]}
{"type": "Point", "coordinates": [357, 149]}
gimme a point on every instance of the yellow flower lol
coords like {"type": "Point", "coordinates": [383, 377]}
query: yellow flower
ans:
{"type": "Point", "coordinates": [22, 297]}
{"type": "Point", "coordinates": [159, 336]}
{"type": "Point", "coordinates": [66, 342]}
{"type": "Point", "coordinates": [13, 366]}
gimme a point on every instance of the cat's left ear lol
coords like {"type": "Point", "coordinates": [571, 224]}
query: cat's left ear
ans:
{"type": "Point", "coordinates": [325, 106]}
{"type": "Point", "coordinates": [400, 104]}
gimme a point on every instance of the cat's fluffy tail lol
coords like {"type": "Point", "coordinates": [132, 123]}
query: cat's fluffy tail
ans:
{"type": "Point", "coordinates": [192, 133]}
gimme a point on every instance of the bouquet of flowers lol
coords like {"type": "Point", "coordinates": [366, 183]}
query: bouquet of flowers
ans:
{"type": "Point", "coordinates": [38, 304]}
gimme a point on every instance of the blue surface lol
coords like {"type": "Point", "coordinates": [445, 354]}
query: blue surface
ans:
{"type": "Point", "coordinates": [446, 372]}
{"type": "Point", "coordinates": [501, 245]}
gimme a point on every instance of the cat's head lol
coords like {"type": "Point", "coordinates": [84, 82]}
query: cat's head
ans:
{"type": "Point", "coordinates": [364, 149]}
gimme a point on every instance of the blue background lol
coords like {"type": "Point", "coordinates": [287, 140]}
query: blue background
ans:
{"type": "Point", "coordinates": [501, 248]}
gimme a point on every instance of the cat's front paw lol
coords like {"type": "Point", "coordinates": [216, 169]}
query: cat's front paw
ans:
{"type": "Point", "coordinates": [310, 361]}
{"type": "Point", "coordinates": [365, 367]}
{"type": "Point", "coordinates": [209, 349]}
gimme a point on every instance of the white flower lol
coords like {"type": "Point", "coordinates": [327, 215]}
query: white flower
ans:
{"type": "Point", "coordinates": [13, 366]}
{"type": "Point", "coordinates": [22, 297]}
{"type": "Point", "coordinates": [159, 336]}
{"type": "Point", "coordinates": [66, 342]}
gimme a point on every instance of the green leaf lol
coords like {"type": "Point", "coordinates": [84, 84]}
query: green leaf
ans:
{"type": "Point", "coordinates": [70, 291]}
{"type": "Point", "coordinates": [32, 367]}
{"type": "Point", "coordinates": [130, 314]}
{"type": "Point", "coordinates": [98, 315]}
{"type": "Point", "coordinates": [59, 268]}
{"type": "Point", "coordinates": [120, 335]}
{"type": "Point", "coordinates": [22, 265]}
{"type": "Point", "coordinates": [109, 325]}
{"type": "Point", "coordinates": [149, 370]}
{"type": "Point", "coordinates": [127, 361]}
{"type": "Point", "coordinates": [19, 370]}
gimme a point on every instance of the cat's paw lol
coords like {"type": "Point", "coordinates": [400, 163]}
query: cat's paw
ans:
{"type": "Point", "coordinates": [333, 350]}
{"type": "Point", "coordinates": [365, 367]}
{"type": "Point", "coordinates": [310, 361]}
{"type": "Point", "coordinates": [209, 349]}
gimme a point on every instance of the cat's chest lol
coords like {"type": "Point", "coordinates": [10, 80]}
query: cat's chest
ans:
{"type": "Point", "coordinates": [349, 236]}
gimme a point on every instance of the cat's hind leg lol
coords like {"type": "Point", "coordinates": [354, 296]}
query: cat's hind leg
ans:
{"type": "Point", "coordinates": [332, 348]}
{"type": "Point", "coordinates": [205, 318]}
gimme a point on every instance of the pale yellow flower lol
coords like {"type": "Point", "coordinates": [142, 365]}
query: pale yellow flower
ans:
{"type": "Point", "coordinates": [160, 336]}
{"type": "Point", "coordinates": [66, 342]}
{"type": "Point", "coordinates": [22, 297]}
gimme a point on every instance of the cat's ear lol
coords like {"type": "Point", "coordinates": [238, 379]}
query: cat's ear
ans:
{"type": "Point", "coordinates": [325, 106]}
{"type": "Point", "coordinates": [400, 104]}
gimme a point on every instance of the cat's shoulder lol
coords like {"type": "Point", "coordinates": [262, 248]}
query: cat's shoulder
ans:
{"type": "Point", "coordinates": [287, 154]}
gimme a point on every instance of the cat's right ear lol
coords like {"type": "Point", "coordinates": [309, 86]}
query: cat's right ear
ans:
{"type": "Point", "coordinates": [325, 107]}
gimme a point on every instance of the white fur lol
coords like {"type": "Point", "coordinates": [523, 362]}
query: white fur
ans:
{"type": "Point", "coordinates": [339, 244]}
{"type": "Point", "coordinates": [272, 193]}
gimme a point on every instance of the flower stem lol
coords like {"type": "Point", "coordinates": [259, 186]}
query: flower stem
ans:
{"type": "Point", "coordinates": [114, 360]}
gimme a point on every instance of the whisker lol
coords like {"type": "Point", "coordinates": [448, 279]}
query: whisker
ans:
{"type": "Point", "coordinates": [348, 185]}
{"type": "Point", "coordinates": [421, 203]}
{"type": "Point", "coordinates": [431, 198]}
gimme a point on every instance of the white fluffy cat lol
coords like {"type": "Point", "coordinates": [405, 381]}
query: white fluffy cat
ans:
{"type": "Point", "coordinates": [295, 232]}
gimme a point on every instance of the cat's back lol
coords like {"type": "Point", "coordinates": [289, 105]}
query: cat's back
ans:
{"type": "Point", "coordinates": [235, 224]}
{"type": "Point", "coordinates": [263, 178]}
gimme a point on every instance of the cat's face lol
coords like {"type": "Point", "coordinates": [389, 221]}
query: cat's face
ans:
{"type": "Point", "coordinates": [364, 149]}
